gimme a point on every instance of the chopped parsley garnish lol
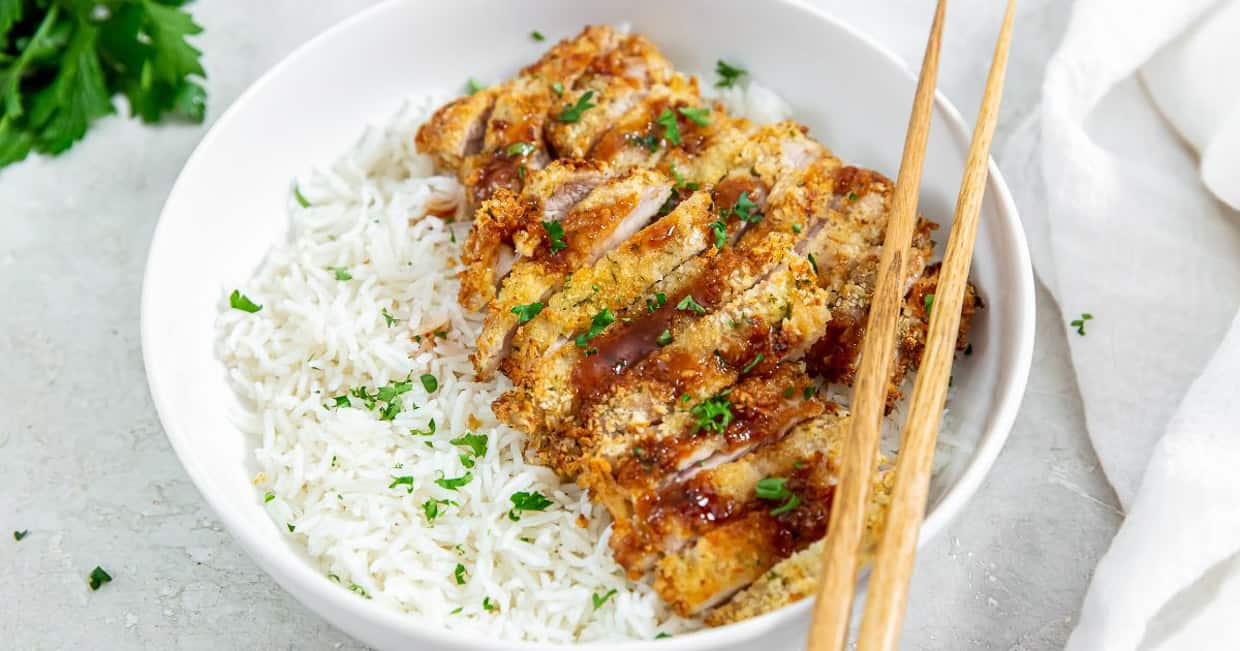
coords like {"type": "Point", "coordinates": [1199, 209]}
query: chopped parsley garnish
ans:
{"type": "Point", "coordinates": [662, 635]}
{"type": "Point", "coordinates": [454, 483]}
{"type": "Point", "coordinates": [477, 443]}
{"type": "Point", "coordinates": [813, 264]}
{"type": "Point", "coordinates": [301, 198]}
{"type": "Point", "coordinates": [406, 481]}
{"type": "Point", "coordinates": [268, 497]}
{"type": "Point", "coordinates": [98, 577]}
{"type": "Point", "coordinates": [430, 429]}
{"type": "Point", "coordinates": [687, 304]}
{"type": "Point", "coordinates": [431, 508]}
{"type": "Point", "coordinates": [457, 610]}
{"type": "Point", "coordinates": [796, 228]}
{"type": "Point", "coordinates": [597, 325]}
{"type": "Point", "coordinates": [359, 590]}
{"type": "Point", "coordinates": [852, 196]}
{"type": "Point", "coordinates": [526, 312]}
{"type": "Point", "coordinates": [1079, 324]}
{"type": "Point", "coordinates": [487, 604]}
{"type": "Point", "coordinates": [599, 600]}
{"type": "Point", "coordinates": [523, 501]}
{"type": "Point", "coordinates": [520, 149]}
{"type": "Point", "coordinates": [537, 36]}
{"type": "Point", "coordinates": [929, 301]}
{"type": "Point", "coordinates": [342, 273]}
{"type": "Point", "coordinates": [334, 577]}
{"type": "Point", "coordinates": [684, 397]}
{"type": "Point", "coordinates": [809, 391]}
{"type": "Point", "coordinates": [429, 382]}
{"type": "Point", "coordinates": [728, 74]}
{"type": "Point", "coordinates": [680, 180]}
{"type": "Point", "coordinates": [572, 112]}
{"type": "Point", "coordinates": [659, 300]}
{"type": "Point", "coordinates": [291, 527]}
{"type": "Point", "coordinates": [239, 301]}
{"type": "Point", "coordinates": [671, 128]}
{"type": "Point", "coordinates": [665, 338]}
{"type": "Point", "coordinates": [18, 535]}
{"type": "Point", "coordinates": [557, 88]}
{"type": "Point", "coordinates": [458, 573]}
{"type": "Point", "coordinates": [555, 233]}
{"type": "Point", "coordinates": [700, 116]}
{"type": "Point", "coordinates": [388, 318]}
{"type": "Point", "coordinates": [752, 363]}
{"type": "Point", "coordinates": [713, 414]}
{"type": "Point", "coordinates": [721, 233]}
{"type": "Point", "coordinates": [473, 86]}
{"type": "Point", "coordinates": [744, 209]}
{"type": "Point", "coordinates": [773, 489]}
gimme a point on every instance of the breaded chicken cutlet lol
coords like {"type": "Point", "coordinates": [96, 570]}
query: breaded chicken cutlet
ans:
{"type": "Point", "coordinates": [668, 288]}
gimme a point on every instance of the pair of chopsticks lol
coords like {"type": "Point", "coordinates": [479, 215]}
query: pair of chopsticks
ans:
{"type": "Point", "coordinates": [893, 564]}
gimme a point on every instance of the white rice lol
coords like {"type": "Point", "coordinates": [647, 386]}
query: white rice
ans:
{"type": "Point", "coordinates": [327, 473]}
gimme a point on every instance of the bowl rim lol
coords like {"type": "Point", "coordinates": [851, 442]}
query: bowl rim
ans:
{"type": "Point", "coordinates": [335, 605]}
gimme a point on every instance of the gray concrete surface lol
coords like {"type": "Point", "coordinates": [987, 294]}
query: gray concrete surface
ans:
{"type": "Point", "coordinates": [85, 467]}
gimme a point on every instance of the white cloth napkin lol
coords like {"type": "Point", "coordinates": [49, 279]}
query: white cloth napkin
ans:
{"type": "Point", "coordinates": [1126, 223]}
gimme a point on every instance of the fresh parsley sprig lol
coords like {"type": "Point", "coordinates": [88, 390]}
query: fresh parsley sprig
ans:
{"type": "Point", "coordinates": [62, 61]}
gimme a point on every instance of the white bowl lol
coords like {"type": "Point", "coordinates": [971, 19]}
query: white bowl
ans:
{"type": "Point", "coordinates": [228, 207]}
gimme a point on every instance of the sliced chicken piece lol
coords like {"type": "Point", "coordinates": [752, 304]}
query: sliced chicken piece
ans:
{"type": "Point", "coordinates": [610, 87]}
{"type": "Point", "coordinates": [637, 139]}
{"type": "Point", "coordinates": [618, 279]}
{"type": "Point", "coordinates": [505, 221]}
{"type": "Point", "coordinates": [778, 318]}
{"type": "Point", "coordinates": [638, 477]}
{"type": "Point", "coordinates": [456, 130]}
{"type": "Point", "coordinates": [544, 401]}
{"type": "Point", "coordinates": [747, 526]}
{"type": "Point", "coordinates": [599, 223]}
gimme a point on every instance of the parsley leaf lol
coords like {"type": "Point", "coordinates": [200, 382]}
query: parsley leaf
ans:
{"type": "Point", "coordinates": [301, 198]}
{"type": "Point", "coordinates": [430, 429]}
{"type": "Point", "coordinates": [680, 180]}
{"type": "Point", "coordinates": [659, 300]}
{"type": "Point", "coordinates": [239, 301]}
{"type": "Point", "coordinates": [600, 322]}
{"type": "Point", "coordinates": [813, 264]}
{"type": "Point", "coordinates": [929, 301]}
{"type": "Point", "coordinates": [557, 88]}
{"type": "Point", "coordinates": [487, 604]}
{"type": "Point", "coordinates": [520, 149]}
{"type": "Point", "coordinates": [665, 338]}
{"type": "Point", "coordinates": [431, 508]}
{"type": "Point", "coordinates": [98, 577]}
{"type": "Point", "coordinates": [774, 489]}
{"type": "Point", "coordinates": [572, 113]}
{"type": "Point", "coordinates": [600, 600]}
{"type": "Point", "coordinates": [455, 483]}
{"type": "Point", "coordinates": [728, 74]}
{"type": "Point", "coordinates": [388, 318]}
{"type": "Point", "coordinates": [689, 305]}
{"type": "Point", "coordinates": [752, 363]}
{"type": "Point", "coordinates": [526, 312]}
{"type": "Point", "coordinates": [537, 36]}
{"type": "Point", "coordinates": [523, 501]}
{"type": "Point", "coordinates": [353, 587]}
{"type": "Point", "coordinates": [18, 535]}
{"type": "Point", "coordinates": [721, 233]}
{"type": "Point", "coordinates": [555, 233]}
{"type": "Point", "coordinates": [713, 413]}
{"type": "Point", "coordinates": [406, 481]}
{"type": "Point", "coordinates": [671, 128]}
{"type": "Point", "coordinates": [342, 273]}
{"type": "Point", "coordinates": [1079, 324]}
{"type": "Point", "coordinates": [744, 209]}
{"type": "Point", "coordinates": [701, 116]}
{"type": "Point", "coordinates": [459, 573]}
{"type": "Point", "coordinates": [472, 85]}
{"type": "Point", "coordinates": [429, 382]}
{"type": "Point", "coordinates": [268, 497]}
{"type": "Point", "coordinates": [477, 443]}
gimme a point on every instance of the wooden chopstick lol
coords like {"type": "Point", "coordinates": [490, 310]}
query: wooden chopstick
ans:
{"type": "Point", "coordinates": [893, 565]}
{"type": "Point", "coordinates": [833, 607]}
